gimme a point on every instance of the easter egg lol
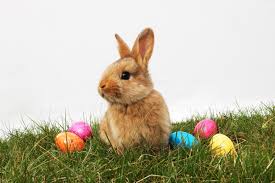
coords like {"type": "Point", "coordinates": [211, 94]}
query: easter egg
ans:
{"type": "Point", "coordinates": [222, 145]}
{"type": "Point", "coordinates": [69, 142]}
{"type": "Point", "coordinates": [182, 139]}
{"type": "Point", "coordinates": [82, 129]}
{"type": "Point", "coordinates": [206, 128]}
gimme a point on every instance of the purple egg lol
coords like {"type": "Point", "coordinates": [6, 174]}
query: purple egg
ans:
{"type": "Point", "coordinates": [82, 129]}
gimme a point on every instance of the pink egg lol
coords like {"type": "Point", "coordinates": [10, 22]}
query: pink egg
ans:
{"type": "Point", "coordinates": [206, 128]}
{"type": "Point", "coordinates": [82, 129]}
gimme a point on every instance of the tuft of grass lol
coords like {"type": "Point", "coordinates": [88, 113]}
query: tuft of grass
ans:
{"type": "Point", "coordinates": [31, 155]}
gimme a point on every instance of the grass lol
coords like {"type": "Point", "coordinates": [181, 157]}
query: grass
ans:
{"type": "Point", "coordinates": [31, 155]}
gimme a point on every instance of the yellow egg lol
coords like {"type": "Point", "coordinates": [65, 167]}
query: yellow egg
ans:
{"type": "Point", "coordinates": [221, 145]}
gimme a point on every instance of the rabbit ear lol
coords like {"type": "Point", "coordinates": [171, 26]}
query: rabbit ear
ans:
{"type": "Point", "coordinates": [123, 49]}
{"type": "Point", "coordinates": [143, 47]}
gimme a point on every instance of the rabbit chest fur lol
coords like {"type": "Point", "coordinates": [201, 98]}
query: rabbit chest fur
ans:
{"type": "Point", "coordinates": [144, 122]}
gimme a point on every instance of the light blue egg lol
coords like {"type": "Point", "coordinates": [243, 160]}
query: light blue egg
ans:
{"type": "Point", "coordinates": [182, 139]}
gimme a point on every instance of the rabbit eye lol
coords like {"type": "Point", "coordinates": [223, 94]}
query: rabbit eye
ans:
{"type": "Point", "coordinates": [125, 75]}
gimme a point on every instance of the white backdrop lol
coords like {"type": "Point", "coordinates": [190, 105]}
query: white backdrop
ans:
{"type": "Point", "coordinates": [208, 54]}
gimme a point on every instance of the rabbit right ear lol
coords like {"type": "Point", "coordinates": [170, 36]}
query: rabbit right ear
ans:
{"type": "Point", "coordinates": [123, 49]}
{"type": "Point", "coordinates": [143, 47]}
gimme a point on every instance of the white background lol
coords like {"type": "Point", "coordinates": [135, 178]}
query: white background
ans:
{"type": "Point", "coordinates": [208, 54]}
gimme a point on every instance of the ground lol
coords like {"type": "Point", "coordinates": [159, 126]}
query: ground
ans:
{"type": "Point", "coordinates": [30, 155]}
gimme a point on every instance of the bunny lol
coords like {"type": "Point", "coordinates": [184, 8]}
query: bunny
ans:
{"type": "Point", "coordinates": [137, 114]}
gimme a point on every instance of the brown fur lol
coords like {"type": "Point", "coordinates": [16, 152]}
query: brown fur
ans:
{"type": "Point", "coordinates": [137, 113]}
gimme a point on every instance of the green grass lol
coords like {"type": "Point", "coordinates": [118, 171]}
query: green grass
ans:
{"type": "Point", "coordinates": [31, 155]}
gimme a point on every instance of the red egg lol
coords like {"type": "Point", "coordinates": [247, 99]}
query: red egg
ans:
{"type": "Point", "coordinates": [69, 142]}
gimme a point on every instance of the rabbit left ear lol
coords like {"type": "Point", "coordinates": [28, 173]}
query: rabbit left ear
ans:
{"type": "Point", "coordinates": [123, 49]}
{"type": "Point", "coordinates": [143, 47]}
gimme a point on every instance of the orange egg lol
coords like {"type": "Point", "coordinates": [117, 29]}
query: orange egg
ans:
{"type": "Point", "coordinates": [69, 142]}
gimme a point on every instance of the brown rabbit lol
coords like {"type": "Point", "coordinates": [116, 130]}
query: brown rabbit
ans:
{"type": "Point", "coordinates": [137, 114]}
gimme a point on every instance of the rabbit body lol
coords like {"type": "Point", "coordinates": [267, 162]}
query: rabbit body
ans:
{"type": "Point", "coordinates": [137, 113]}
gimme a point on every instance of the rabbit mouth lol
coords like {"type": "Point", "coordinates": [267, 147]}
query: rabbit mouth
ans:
{"type": "Point", "coordinates": [112, 97]}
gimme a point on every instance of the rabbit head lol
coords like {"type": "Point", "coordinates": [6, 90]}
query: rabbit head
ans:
{"type": "Point", "coordinates": [127, 80]}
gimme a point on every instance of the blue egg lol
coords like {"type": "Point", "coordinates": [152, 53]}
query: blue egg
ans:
{"type": "Point", "coordinates": [182, 139]}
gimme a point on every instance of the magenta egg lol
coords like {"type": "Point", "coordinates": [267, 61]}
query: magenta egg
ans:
{"type": "Point", "coordinates": [206, 128]}
{"type": "Point", "coordinates": [82, 129]}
